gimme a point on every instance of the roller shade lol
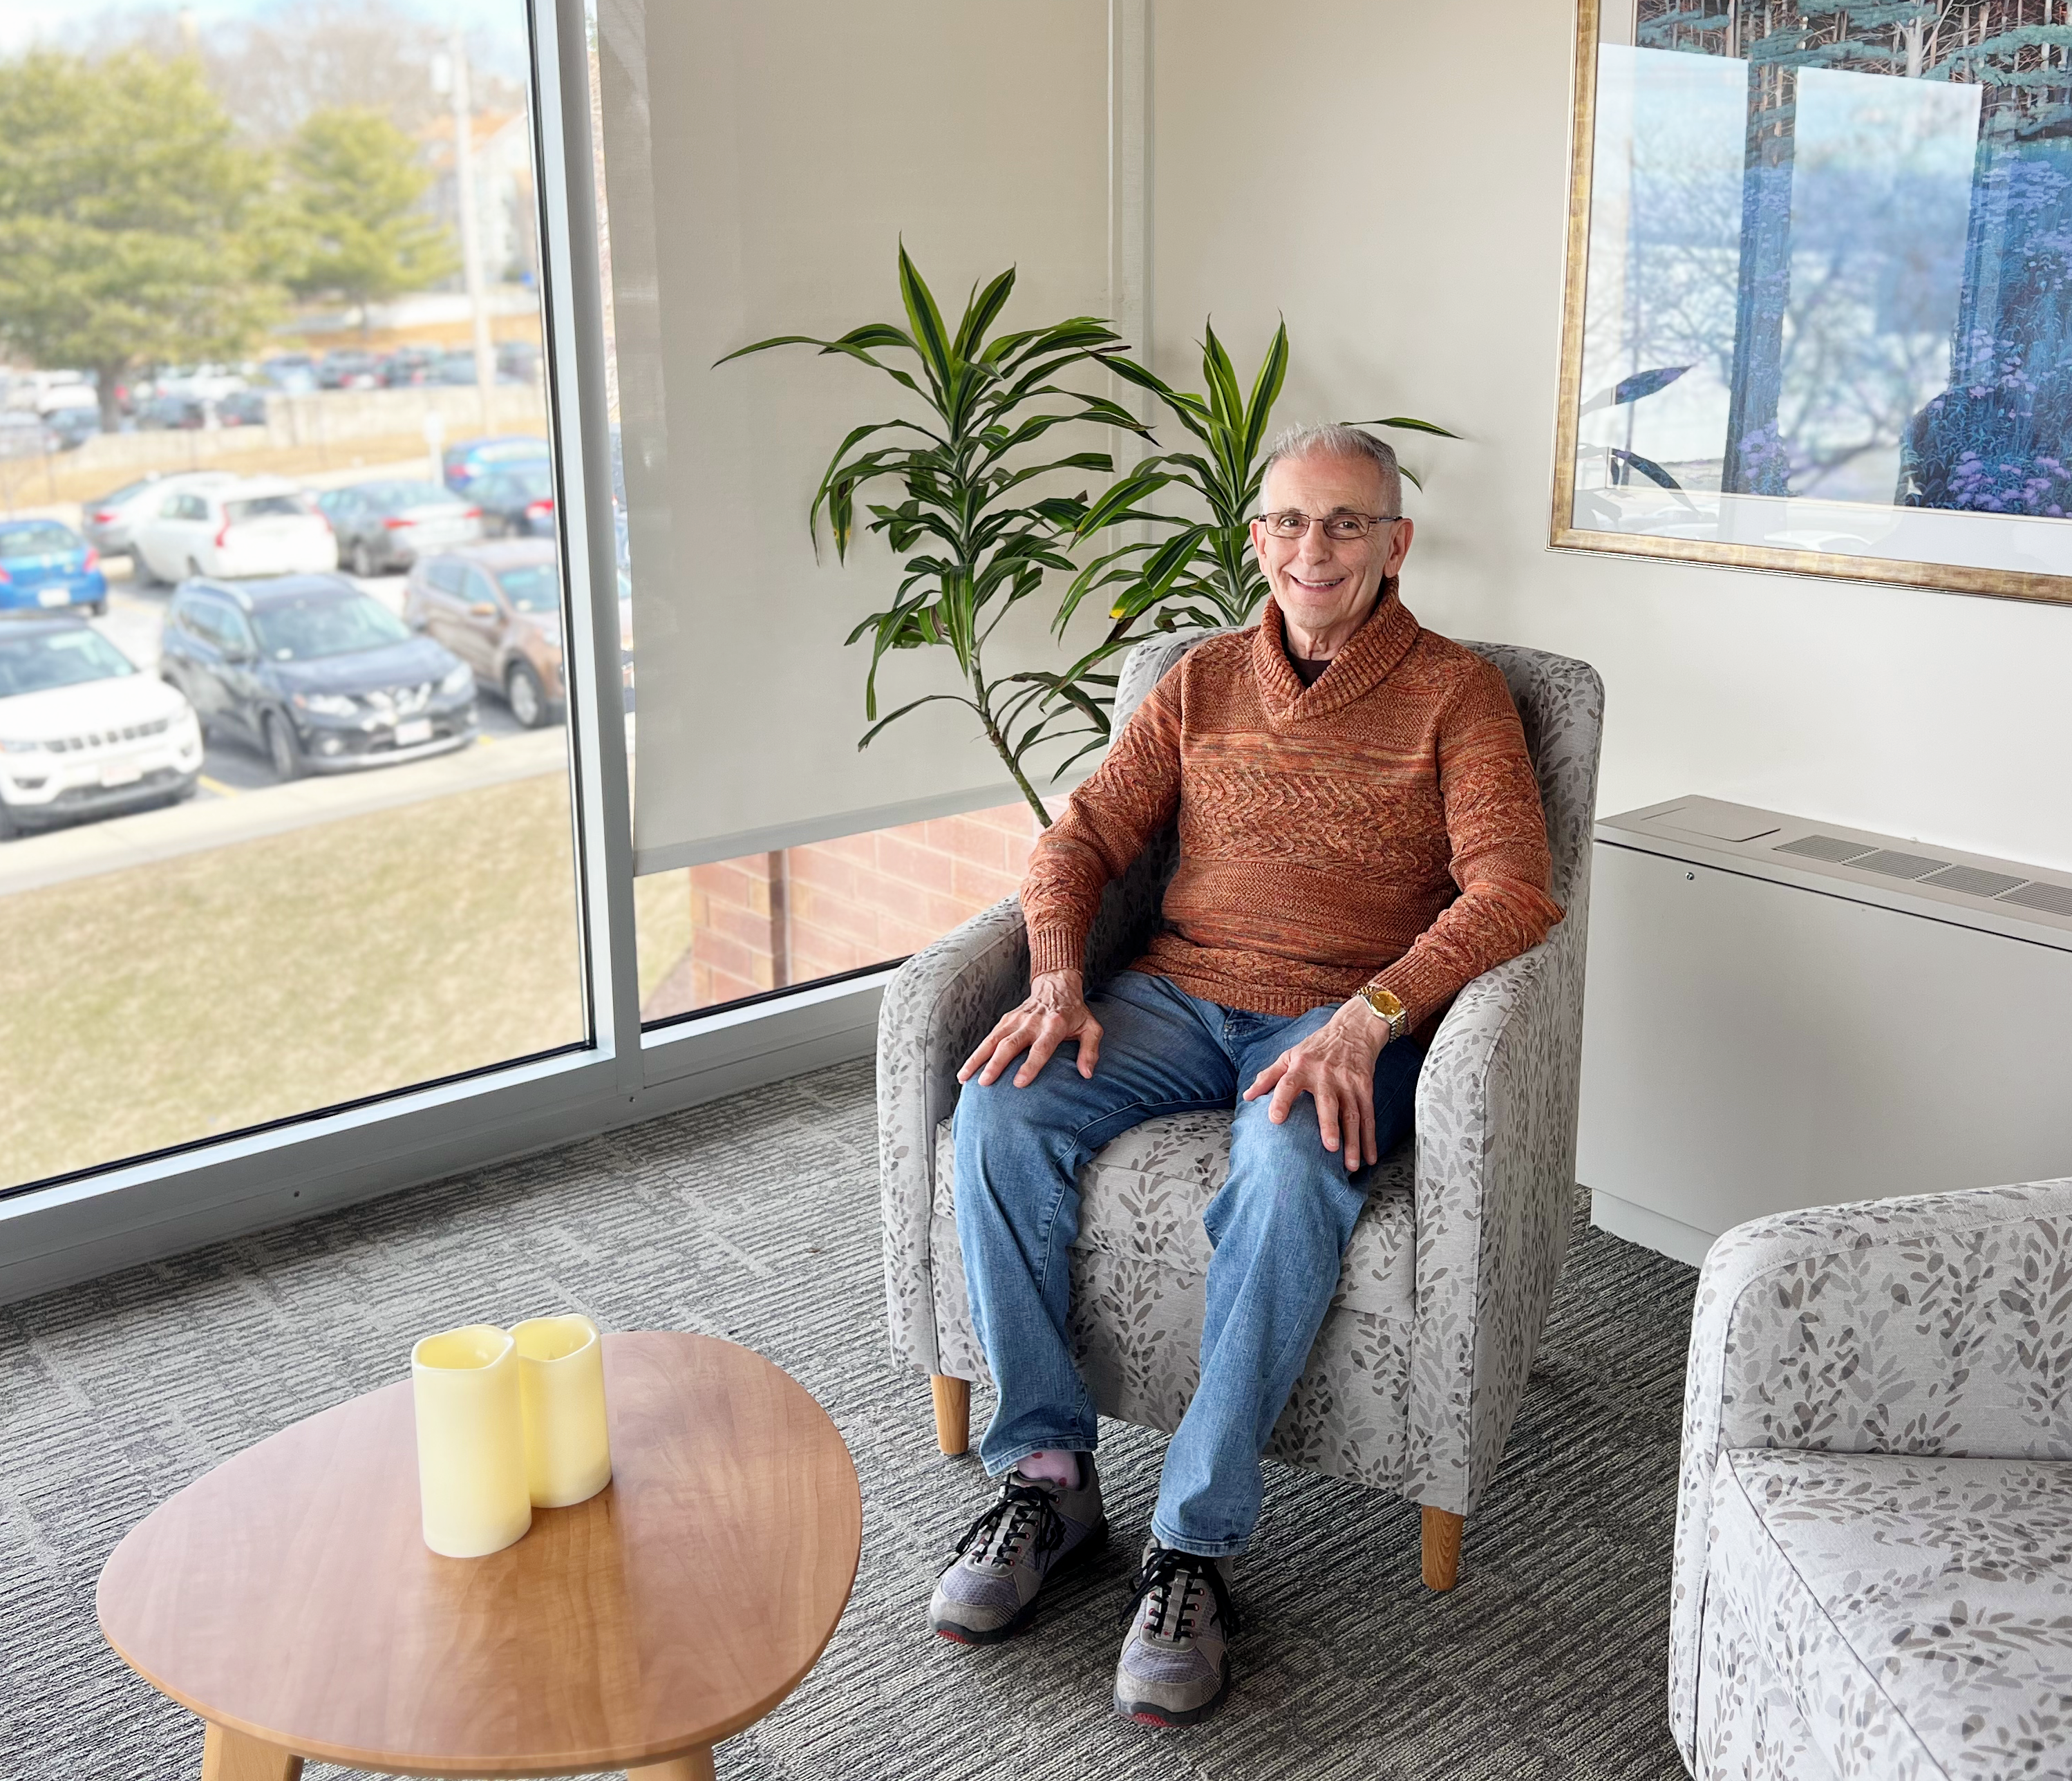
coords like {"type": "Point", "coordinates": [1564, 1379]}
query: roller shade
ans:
{"type": "Point", "coordinates": [763, 162]}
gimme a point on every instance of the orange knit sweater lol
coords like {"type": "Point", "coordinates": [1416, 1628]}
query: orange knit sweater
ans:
{"type": "Point", "coordinates": [1381, 826]}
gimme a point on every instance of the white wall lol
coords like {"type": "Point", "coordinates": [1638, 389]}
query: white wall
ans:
{"type": "Point", "coordinates": [1439, 133]}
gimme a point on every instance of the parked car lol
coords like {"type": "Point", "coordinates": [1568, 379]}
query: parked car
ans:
{"type": "Point", "coordinates": [242, 408]}
{"type": "Point", "coordinates": [83, 733]}
{"type": "Point", "coordinates": [320, 676]}
{"type": "Point", "coordinates": [203, 383]}
{"type": "Point", "coordinates": [517, 503]}
{"type": "Point", "coordinates": [458, 367]}
{"type": "Point", "coordinates": [498, 606]}
{"type": "Point", "coordinates": [70, 428]}
{"type": "Point", "coordinates": [517, 361]}
{"type": "Point", "coordinates": [171, 413]}
{"type": "Point", "coordinates": [295, 372]}
{"type": "Point", "coordinates": [43, 563]}
{"type": "Point", "coordinates": [111, 521]}
{"type": "Point", "coordinates": [408, 365]}
{"type": "Point", "coordinates": [384, 526]}
{"type": "Point", "coordinates": [473, 457]}
{"type": "Point", "coordinates": [22, 433]}
{"type": "Point", "coordinates": [248, 525]}
{"type": "Point", "coordinates": [346, 368]}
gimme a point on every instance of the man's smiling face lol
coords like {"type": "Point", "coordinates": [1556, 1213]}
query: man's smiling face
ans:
{"type": "Point", "coordinates": [1325, 587]}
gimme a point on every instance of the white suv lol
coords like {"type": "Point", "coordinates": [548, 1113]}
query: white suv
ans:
{"type": "Point", "coordinates": [254, 526]}
{"type": "Point", "coordinates": [83, 733]}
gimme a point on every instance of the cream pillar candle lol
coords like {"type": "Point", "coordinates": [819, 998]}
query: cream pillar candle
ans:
{"type": "Point", "coordinates": [470, 1442]}
{"type": "Point", "coordinates": [561, 1373]}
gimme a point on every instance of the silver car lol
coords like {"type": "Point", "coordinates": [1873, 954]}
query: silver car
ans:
{"type": "Point", "coordinates": [384, 527]}
{"type": "Point", "coordinates": [110, 523]}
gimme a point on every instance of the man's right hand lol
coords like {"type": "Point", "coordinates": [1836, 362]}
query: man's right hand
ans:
{"type": "Point", "coordinates": [1056, 1010]}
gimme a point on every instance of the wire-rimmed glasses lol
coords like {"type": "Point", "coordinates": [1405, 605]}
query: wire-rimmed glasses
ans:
{"type": "Point", "coordinates": [1341, 526]}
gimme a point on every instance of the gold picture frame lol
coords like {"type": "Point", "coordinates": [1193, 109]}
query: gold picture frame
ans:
{"type": "Point", "coordinates": [1564, 535]}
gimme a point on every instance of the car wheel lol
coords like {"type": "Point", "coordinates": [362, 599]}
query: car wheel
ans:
{"type": "Point", "coordinates": [9, 828]}
{"type": "Point", "coordinates": [98, 608]}
{"type": "Point", "coordinates": [141, 573]}
{"type": "Point", "coordinates": [362, 560]}
{"type": "Point", "coordinates": [281, 749]}
{"type": "Point", "coordinates": [194, 570]}
{"type": "Point", "coordinates": [527, 698]}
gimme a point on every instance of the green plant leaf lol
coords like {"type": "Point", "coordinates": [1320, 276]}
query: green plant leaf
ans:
{"type": "Point", "coordinates": [929, 339]}
{"type": "Point", "coordinates": [1265, 393]}
{"type": "Point", "coordinates": [980, 312]}
{"type": "Point", "coordinates": [1408, 421]}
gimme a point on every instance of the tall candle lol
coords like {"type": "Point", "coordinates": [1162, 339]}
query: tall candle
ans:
{"type": "Point", "coordinates": [561, 1373]}
{"type": "Point", "coordinates": [470, 1441]}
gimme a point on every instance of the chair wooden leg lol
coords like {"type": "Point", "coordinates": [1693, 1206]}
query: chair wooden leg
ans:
{"type": "Point", "coordinates": [1442, 1547]}
{"type": "Point", "coordinates": [952, 1413]}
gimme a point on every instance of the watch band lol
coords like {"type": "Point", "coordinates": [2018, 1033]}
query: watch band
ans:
{"type": "Point", "coordinates": [1386, 1004]}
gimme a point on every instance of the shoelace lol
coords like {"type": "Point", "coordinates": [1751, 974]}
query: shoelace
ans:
{"type": "Point", "coordinates": [1003, 1524]}
{"type": "Point", "coordinates": [1162, 1570]}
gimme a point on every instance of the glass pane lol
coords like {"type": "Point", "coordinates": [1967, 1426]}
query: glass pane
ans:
{"type": "Point", "coordinates": [736, 929]}
{"type": "Point", "coordinates": [233, 525]}
{"type": "Point", "coordinates": [1829, 260]}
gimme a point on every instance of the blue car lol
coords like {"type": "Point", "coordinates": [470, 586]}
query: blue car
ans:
{"type": "Point", "coordinates": [45, 566]}
{"type": "Point", "coordinates": [470, 460]}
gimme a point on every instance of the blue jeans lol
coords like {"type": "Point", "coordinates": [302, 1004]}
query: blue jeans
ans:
{"type": "Point", "coordinates": [1279, 1228]}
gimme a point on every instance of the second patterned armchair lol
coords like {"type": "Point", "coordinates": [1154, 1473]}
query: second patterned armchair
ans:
{"type": "Point", "coordinates": [1423, 1357]}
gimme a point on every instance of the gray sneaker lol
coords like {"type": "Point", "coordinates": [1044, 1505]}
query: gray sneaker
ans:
{"type": "Point", "coordinates": [1174, 1669]}
{"type": "Point", "coordinates": [1033, 1530]}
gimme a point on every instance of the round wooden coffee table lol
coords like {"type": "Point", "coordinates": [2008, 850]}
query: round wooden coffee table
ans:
{"type": "Point", "coordinates": [288, 1597]}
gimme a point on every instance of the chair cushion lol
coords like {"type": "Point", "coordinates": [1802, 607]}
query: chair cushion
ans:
{"type": "Point", "coordinates": [1141, 1198]}
{"type": "Point", "coordinates": [1917, 1611]}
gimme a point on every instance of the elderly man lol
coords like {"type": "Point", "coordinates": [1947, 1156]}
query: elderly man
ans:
{"type": "Point", "coordinates": [1360, 836]}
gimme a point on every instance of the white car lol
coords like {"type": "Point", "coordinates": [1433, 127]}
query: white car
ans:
{"type": "Point", "coordinates": [110, 523]}
{"type": "Point", "coordinates": [253, 525]}
{"type": "Point", "coordinates": [84, 732]}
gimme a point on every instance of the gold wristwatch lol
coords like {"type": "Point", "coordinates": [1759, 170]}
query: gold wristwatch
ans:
{"type": "Point", "coordinates": [1389, 1008]}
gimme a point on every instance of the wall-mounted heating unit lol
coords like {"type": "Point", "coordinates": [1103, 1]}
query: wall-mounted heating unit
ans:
{"type": "Point", "coordinates": [1783, 1013]}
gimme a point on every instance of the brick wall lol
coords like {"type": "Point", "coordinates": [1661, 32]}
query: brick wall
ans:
{"type": "Point", "coordinates": [770, 920]}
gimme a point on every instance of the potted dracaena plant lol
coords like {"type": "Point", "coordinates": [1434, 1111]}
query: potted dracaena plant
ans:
{"type": "Point", "coordinates": [984, 538]}
{"type": "Point", "coordinates": [1202, 570]}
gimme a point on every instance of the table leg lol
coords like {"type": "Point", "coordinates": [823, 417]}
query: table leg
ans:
{"type": "Point", "coordinates": [696, 1766]}
{"type": "Point", "coordinates": [227, 1755]}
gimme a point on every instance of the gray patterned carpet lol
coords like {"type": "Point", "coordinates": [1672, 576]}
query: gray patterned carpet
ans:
{"type": "Point", "coordinates": [756, 1218]}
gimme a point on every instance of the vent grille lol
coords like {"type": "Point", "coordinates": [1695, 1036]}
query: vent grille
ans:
{"type": "Point", "coordinates": [1830, 848]}
{"type": "Point", "coordinates": [2054, 899]}
{"type": "Point", "coordinates": [1973, 881]}
{"type": "Point", "coordinates": [1895, 864]}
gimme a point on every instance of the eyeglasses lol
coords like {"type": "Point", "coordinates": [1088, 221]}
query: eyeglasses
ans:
{"type": "Point", "coordinates": [1343, 527]}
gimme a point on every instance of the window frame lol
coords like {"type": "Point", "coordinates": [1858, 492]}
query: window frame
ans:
{"type": "Point", "coordinates": [84, 1225]}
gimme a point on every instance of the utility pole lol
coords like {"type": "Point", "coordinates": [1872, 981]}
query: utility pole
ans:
{"type": "Point", "coordinates": [470, 232]}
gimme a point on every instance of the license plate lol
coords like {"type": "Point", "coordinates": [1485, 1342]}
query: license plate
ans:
{"type": "Point", "coordinates": [413, 729]}
{"type": "Point", "coordinates": [120, 773]}
{"type": "Point", "coordinates": [54, 596]}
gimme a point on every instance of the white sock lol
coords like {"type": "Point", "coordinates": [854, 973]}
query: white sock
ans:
{"type": "Point", "coordinates": [1052, 1465]}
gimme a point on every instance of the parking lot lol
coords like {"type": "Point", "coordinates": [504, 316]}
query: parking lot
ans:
{"type": "Point", "coordinates": [239, 794]}
{"type": "Point", "coordinates": [231, 767]}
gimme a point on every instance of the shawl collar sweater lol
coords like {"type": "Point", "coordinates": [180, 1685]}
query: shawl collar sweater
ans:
{"type": "Point", "coordinates": [1381, 826]}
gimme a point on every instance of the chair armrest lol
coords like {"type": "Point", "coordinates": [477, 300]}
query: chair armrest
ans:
{"type": "Point", "coordinates": [1938, 1324]}
{"type": "Point", "coordinates": [938, 1006]}
{"type": "Point", "coordinates": [1496, 1172]}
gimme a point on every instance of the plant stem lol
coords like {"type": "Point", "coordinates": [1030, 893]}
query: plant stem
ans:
{"type": "Point", "coordinates": [1004, 749]}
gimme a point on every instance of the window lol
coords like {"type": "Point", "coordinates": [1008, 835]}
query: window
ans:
{"type": "Point", "coordinates": [433, 835]}
{"type": "Point", "coordinates": [446, 573]}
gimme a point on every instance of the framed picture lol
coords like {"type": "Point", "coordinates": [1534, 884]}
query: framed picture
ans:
{"type": "Point", "coordinates": [1819, 310]}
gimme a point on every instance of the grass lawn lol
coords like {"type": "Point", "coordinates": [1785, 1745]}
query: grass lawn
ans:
{"type": "Point", "coordinates": [197, 995]}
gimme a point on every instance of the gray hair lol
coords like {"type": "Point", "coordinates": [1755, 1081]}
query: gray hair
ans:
{"type": "Point", "coordinates": [1338, 441]}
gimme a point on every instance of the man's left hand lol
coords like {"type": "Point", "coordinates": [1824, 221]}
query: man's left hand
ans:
{"type": "Point", "coordinates": [1334, 1067]}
